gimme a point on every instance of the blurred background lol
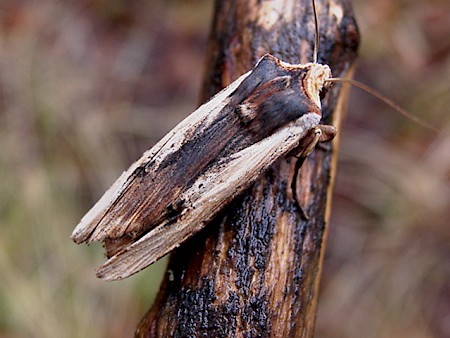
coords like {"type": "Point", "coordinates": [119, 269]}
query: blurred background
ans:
{"type": "Point", "coordinates": [87, 86]}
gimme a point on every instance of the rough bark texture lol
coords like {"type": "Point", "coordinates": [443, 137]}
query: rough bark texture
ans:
{"type": "Point", "coordinates": [254, 271]}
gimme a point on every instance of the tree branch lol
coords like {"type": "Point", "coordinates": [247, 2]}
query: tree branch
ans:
{"type": "Point", "coordinates": [254, 272]}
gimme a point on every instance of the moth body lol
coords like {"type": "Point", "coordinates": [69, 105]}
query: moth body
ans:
{"type": "Point", "coordinates": [181, 183]}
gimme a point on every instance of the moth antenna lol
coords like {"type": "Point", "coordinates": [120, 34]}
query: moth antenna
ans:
{"type": "Point", "coordinates": [316, 37]}
{"type": "Point", "coordinates": [386, 100]}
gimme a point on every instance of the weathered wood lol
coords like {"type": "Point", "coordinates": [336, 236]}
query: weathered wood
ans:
{"type": "Point", "coordinates": [254, 271]}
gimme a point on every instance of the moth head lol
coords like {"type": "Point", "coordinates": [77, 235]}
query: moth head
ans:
{"type": "Point", "coordinates": [315, 80]}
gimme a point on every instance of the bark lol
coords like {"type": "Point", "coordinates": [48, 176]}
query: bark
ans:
{"type": "Point", "coordinates": [254, 271]}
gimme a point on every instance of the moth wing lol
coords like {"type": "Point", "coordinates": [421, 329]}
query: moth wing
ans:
{"type": "Point", "coordinates": [206, 197]}
{"type": "Point", "coordinates": [105, 219]}
{"type": "Point", "coordinates": [148, 191]}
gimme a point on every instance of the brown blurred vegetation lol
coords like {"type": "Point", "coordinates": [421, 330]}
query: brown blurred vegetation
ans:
{"type": "Point", "coordinates": [87, 86]}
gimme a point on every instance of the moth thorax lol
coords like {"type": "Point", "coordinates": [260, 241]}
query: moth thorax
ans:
{"type": "Point", "coordinates": [314, 81]}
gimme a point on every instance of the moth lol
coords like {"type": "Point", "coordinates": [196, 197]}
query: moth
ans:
{"type": "Point", "coordinates": [218, 151]}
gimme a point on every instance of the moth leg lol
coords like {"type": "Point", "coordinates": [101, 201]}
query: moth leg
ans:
{"type": "Point", "coordinates": [298, 163]}
{"type": "Point", "coordinates": [316, 136]}
{"type": "Point", "coordinates": [305, 147]}
{"type": "Point", "coordinates": [321, 133]}
{"type": "Point", "coordinates": [328, 134]}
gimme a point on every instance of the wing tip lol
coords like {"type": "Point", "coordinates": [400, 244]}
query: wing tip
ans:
{"type": "Point", "coordinates": [84, 232]}
{"type": "Point", "coordinates": [105, 276]}
{"type": "Point", "coordinates": [79, 236]}
{"type": "Point", "coordinates": [111, 272]}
